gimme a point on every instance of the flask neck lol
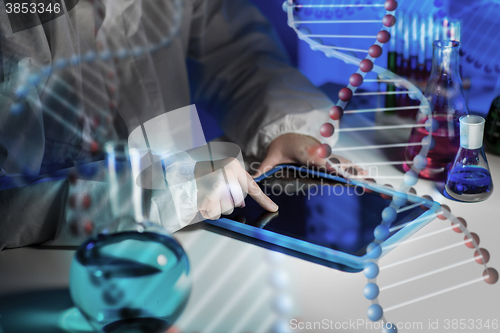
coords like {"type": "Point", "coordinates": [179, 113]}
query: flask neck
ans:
{"type": "Point", "coordinates": [125, 196]}
{"type": "Point", "coordinates": [471, 132]}
{"type": "Point", "coordinates": [445, 61]}
{"type": "Point", "coordinates": [444, 90]}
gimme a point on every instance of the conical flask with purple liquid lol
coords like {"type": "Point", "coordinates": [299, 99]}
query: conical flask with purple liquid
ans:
{"type": "Point", "coordinates": [447, 104]}
{"type": "Point", "coordinates": [469, 179]}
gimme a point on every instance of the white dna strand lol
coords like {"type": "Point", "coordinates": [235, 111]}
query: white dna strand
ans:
{"type": "Point", "coordinates": [478, 46]}
{"type": "Point", "coordinates": [325, 13]}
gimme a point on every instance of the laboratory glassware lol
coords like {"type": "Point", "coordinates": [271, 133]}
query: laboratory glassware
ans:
{"type": "Point", "coordinates": [469, 178]}
{"type": "Point", "coordinates": [447, 102]}
{"type": "Point", "coordinates": [133, 276]}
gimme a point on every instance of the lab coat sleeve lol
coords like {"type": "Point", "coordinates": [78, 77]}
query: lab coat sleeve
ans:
{"type": "Point", "coordinates": [27, 214]}
{"type": "Point", "coordinates": [240, 73]}
{"type": "Point", "coordinates": [34, 203]}
{"type": "Point", "coordinates": [37, 213]}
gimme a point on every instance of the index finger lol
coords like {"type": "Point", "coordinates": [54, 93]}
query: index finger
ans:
{"type": "Point", "coordinates": [248, 185]}
{"type": "Point", "coordinates": [256, 193]}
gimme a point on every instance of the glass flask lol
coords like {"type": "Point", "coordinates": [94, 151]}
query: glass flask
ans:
{"type": "Point", "coordinates": [133, 276]}
{"type": "Point", "coordinates": [469, 178]}
{"type": "Point", "coordinates": [492, 127]}
{"type": "Point", "coordinates": [446, 98]}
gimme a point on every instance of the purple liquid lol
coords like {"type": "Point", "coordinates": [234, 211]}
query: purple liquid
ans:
{"type": "Point", "coordinates": [469, 183]}
{"type": "Point", "coordinates": [442, 156]}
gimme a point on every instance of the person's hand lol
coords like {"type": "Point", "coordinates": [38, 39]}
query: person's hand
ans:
{"type": "Point", "coordinates": [223, 186]}
{"type": "Point", "coordinates": [301, 149]}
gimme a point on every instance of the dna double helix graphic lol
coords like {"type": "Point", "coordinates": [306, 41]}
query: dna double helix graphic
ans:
{"type": "Point", "coordinates": [310, 19]}
{"type": "Point", "coordinates": [304, 19]}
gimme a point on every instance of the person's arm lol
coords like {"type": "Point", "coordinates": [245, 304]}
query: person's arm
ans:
{"type": "Point", "coordinates": [26, 214]}
{"type": "Point", "coordinates": [240, 73]}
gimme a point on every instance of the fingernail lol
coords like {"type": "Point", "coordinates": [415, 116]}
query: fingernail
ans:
{"type": "Point", "coordinates": [274, 207]}
{"type": "Point", "coordinates": [243, 204]}
{"type": "Point", "coordinates": [352, 171]}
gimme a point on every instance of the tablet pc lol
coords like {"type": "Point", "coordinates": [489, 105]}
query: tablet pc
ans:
{"type": "Point", "coordinates": [324, 216]}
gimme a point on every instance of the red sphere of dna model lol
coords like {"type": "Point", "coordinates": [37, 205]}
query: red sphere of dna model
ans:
{"type": "Point", "coordinates": [345, 94]}
{"type": "Point", "coordinates": [324, 150]}
{"type": "Point", "coordinates": [456, 226]}
{"type": "Point", "coordinates": [391, 5]}
{"type": "Point", "coordinates": [375, 51]}
{"type": "Point", "coordinates": [482, 258]}
{"type": "Point", "coordinates": [389, 20]}
{"type": "Point", "coordinates": [383, 36]}
{"type": "Point", "coordinates": [490, 276]}
{"type": "Point", "coordinates": [356, 80]}
{"type": "Point", "coordinates": [327, 130]}
{"type": "Point", "coordinates": [336, 113]}
{"type": "Point", "coordinates": [366, 65]}
{"type": "Point", "coordinates": [469, 243]}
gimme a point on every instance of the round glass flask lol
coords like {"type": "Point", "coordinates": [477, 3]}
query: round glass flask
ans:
{"type": "Point", "coordinates": [133, 276]}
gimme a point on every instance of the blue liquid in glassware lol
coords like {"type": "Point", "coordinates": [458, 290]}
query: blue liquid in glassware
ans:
{"type": "Point", "coordinates": [130, 281]}
{"type": "Point", "coordinates": [469, 183]}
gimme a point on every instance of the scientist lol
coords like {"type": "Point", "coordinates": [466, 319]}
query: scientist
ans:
{"type": "Point", "coordinates": [222, 55]}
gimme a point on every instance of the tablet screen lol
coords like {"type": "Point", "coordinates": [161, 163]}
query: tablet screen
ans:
{"type": "Point", "coordinates": [320, 211]}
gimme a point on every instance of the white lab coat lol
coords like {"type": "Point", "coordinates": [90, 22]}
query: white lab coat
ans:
{"type": "Point", "coordinates": [225, 59]}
